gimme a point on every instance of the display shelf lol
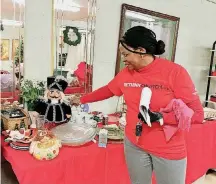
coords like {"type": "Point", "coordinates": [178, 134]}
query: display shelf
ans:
{"type": "Point", "coordinates": [210, 76]}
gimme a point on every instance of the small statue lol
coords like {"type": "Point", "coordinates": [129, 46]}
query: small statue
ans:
{"type": "Point", "coordinates": [52, 106]}
{"type": "Point", "coordinates": [45, 146]}
{"type": "Point", "coordinates": [16, 127]}
{"type": "Point", "coordinates": [22, 127]}
{"type": "Point", "coordinates": [22, 124]}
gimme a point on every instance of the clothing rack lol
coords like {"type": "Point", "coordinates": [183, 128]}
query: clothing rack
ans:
{"type": "Point", "coordinates": [210, 76]}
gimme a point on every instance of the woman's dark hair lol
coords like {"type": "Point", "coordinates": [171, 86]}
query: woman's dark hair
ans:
{"type": "Point", "coordinates": [143, 37]}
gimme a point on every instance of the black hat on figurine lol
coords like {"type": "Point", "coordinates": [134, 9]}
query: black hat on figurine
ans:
{"type": "Point", "coordinates": [58, 82]}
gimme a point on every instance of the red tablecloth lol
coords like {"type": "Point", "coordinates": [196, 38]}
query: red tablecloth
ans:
{"type": "Point", "coordinates": [92, 165]}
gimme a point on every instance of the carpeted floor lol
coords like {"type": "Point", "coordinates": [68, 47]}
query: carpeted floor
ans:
{"type": "Point", "coordinates": [8, 176]}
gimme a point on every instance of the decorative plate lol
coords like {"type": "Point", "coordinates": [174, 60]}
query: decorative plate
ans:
{"type": "Point", "coordinates": [113, 133]}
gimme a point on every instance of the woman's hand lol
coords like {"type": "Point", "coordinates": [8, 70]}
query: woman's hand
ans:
{"type": "Point", "coordinates": [75, 100]}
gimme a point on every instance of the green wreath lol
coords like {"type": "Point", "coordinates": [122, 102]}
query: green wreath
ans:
{"type": "Point", "coordinates": [67, 39]}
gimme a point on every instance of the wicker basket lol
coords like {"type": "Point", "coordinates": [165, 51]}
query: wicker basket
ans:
{"type": "Point", "coordinates": [10, 123]}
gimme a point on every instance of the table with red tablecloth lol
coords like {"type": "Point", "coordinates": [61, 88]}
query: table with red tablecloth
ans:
{"type": "Point", "coordinates": [90, 164]}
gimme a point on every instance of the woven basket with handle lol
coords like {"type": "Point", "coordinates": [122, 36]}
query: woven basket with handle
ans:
{"type": "Point", "coordinates": [10, 123]}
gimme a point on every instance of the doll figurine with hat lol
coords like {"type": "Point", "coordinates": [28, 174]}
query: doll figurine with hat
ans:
{"type": "Point", "coordinates": [52, 106]}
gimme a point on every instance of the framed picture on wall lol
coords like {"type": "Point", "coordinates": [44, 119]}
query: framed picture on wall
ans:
{"type": "Point", "coordinates": [15, 45]}
{"type": "Point", "coordinates": [5, 46]}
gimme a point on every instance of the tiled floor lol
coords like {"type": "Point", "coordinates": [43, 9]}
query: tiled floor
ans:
{"type": "Point", "coordinates": [8, 177]}
{"type": "Point", "coordinates": [208, 179]}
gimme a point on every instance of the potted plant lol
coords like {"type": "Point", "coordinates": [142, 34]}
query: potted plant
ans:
{"type": "Point", "coordinates": [31, 91]}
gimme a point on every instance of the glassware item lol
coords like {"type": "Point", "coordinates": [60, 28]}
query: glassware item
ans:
{"type": "Point", "coordinates": [73, 134]}
{"type": "Point", "coordinates": [40, 121]}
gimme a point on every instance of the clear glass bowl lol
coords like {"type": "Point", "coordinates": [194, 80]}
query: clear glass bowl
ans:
{"type": "Point", "coordinates": [74, 134]}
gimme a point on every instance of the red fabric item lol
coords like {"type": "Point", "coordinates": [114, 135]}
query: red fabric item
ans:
{"type": "Point", "coordinates": [183, 115]}
{"type": "Point", "coordinates": [168, 81]}
{"type": "Point", "coordinates": [90, 164]}
{"type": "Point", "coordinates": [80, 72]}
{"type": "Point", "coordinates": [169, 118]}
{"type": "Point", "coordinates": [83, 75]}
{"type": "Point", "coordinates": [73, 90]}
{"type": "Point", "coordinates": [97, 95]}
{"type": "Point", "coordinates": [4, 72]}
{"type": "Point", "coordinates": [9, 95]}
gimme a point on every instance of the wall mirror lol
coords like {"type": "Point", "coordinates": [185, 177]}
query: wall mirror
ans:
{"type": "Point", "coordinates": [165, 27]}
{"type": "Point", "coordinates": [12, 48]}
{"type": "Point", "coordinates": [74, 31]}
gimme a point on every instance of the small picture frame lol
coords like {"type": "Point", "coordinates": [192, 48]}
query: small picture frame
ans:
{"type": "Point", "coordinates": [5, 46]}
{"type": "Point", "coordinates": [15, 45]}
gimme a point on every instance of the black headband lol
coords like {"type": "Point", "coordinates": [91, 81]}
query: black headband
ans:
{"type": "Point", "coordinates": [136, 52]}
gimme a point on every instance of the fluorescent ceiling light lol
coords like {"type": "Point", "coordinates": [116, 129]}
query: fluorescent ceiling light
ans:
{"type": "Point", "coordinates": [64, 5]}
{"type": "Point", "coordinates": [6, 22]}
{"type": "Point", "coordinates": [139, 16]}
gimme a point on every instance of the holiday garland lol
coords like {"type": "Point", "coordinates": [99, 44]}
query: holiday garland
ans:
{"type": "Point", "coordinates": [67, 38]}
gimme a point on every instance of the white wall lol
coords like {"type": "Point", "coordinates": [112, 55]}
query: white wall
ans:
{"type": "Point", "coordinates": [196, 36]}
{"type": "Point", "coordinates": [38, 39]}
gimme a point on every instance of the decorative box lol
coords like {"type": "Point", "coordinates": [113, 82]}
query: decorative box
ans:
{"type": "Point", "coordinates": [12, 117]}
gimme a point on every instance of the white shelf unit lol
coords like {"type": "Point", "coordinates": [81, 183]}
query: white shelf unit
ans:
{"type": "Point", "coordinates": [210, 76]}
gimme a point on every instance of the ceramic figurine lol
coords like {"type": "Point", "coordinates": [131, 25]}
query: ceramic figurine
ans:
{"type": "Point", "coordinates": [45, 146]}
{"type": "Point", "coordinates": [16, 127]}
{"type": "Point", "coordinates": [53, 106]}
{"type": "Point", "coordinates": [16, 135]}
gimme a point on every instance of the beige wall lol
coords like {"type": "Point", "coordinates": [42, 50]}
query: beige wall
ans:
{"type": "Point", "coordinates": [38, 39]}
